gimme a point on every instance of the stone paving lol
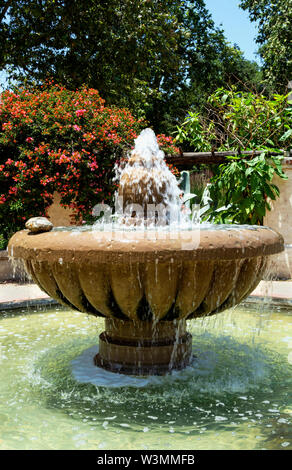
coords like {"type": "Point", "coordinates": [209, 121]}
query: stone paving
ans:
{"type": "Point", "coordinates": [274, 289]}
{"type": "Point", "coordinates": [16, 295]}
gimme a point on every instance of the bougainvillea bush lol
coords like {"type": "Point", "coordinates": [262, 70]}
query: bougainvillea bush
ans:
{"type": "Point", "coordinates": [53, 139]}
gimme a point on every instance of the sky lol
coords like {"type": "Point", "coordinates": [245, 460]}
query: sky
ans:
{"type": "Point", "coordinates": [236, 25]}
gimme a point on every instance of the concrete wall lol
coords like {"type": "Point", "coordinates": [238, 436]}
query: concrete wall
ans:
{"type": "Point", "coordinates": [58, 215]}
{"type": "Point", "coordinates": [280, 219]}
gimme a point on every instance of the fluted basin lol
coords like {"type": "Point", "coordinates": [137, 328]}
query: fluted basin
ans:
{"type": "Point", "coordinates": [147, 287]}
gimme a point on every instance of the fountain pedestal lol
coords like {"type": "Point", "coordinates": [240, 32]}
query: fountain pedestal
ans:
{"type": "Point", "coordinates": [143, 348]}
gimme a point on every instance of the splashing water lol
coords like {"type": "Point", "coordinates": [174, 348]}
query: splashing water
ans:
{"type": "Point", "coordinates": [147, 146]}
{"type": "Point", "coordinates": [146, 181]}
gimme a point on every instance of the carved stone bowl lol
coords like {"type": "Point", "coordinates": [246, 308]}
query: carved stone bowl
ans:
{"type": "Point", "coordinates": [140, 279]}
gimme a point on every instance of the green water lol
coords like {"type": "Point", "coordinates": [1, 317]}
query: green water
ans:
{"type": "Point", "coordinates": [236, 394]}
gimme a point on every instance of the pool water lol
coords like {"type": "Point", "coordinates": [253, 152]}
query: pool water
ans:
{"type": "Point", "coordinates": [235, 395]}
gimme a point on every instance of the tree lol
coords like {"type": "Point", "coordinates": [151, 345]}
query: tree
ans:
{"type": "Point", "coordinates": [148, 55]}
{"type": "Point", "coordinates": [274, 37]}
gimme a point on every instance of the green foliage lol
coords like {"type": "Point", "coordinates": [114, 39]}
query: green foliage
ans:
{"type": "Point", "coordinates": [245, 120]}
{"type": "Point", "coordinates": [3, 242]}
{"type": "Point", "coordinates": [194, 134]}
{"type": "Point", "coordinates": [155, 58]}
{"type": "Point", "coordinates": [241, 188]}
{"type": "Point", "coordinates": [238, 120]}
{"type": "Point", "coordinates": [274, 24]}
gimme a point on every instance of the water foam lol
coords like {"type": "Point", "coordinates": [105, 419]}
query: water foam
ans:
{"type": "Point", "coordinates": [154, 184]}
{"type": "Point", "coordinates": [220, 365]}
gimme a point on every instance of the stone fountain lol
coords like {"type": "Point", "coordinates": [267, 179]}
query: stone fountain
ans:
{"type": "Point", "coordinates": [151, 272]}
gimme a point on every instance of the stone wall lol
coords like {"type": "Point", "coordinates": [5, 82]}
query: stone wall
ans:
{"type": "Point", "coordinates": [280, 219]}
{"type": "Point", "coordinates": [58, 215]}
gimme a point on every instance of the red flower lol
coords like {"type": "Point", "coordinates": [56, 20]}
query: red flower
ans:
{"type": "Point", "coordinates": [80, 112]}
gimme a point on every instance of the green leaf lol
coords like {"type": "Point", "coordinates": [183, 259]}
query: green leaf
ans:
{"type": "Point", "coordinates": [286, 135]}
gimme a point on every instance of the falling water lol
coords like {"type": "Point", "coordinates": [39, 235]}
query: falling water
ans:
{"type": "Point", "coordinates": [146, 180]}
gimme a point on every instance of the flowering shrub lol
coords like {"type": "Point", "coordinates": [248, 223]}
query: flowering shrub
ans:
{"type": "Point", "coordinates": [53, 139]}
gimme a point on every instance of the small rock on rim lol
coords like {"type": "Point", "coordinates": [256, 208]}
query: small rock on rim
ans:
{"type": "Point", "coordinates": [38, 225]}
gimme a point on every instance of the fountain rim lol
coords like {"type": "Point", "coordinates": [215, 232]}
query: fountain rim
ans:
{"type": "Point", "coordinates": [97, 246]}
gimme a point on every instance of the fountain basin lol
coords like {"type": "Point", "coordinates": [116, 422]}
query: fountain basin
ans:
{"type": "Point", "coordinates": [233, 396]}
